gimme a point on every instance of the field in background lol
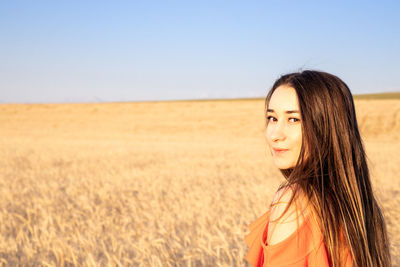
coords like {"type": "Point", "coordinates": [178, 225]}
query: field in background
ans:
{"type": "Point", "coordinates": [379, 96]}
{"type": "Point", "coordinates": [154, 184]}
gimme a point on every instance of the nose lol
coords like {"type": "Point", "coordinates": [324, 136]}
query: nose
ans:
{"type": "Point", "coordinates": [277, 132]}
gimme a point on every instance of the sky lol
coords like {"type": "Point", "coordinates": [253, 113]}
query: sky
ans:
{"type": "Point", "coordinates": [108, 51]}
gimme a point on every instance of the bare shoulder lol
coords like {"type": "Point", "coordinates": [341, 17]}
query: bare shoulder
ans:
{"type": "Point", "coordinates": [284, 218]}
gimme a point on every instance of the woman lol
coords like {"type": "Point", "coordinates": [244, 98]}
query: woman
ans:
{"type": "Point", "coordinates": [325, 214]}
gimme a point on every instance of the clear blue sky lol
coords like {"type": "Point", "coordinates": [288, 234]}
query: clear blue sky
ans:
{"type": "Point", "coordinates": [89, 51]}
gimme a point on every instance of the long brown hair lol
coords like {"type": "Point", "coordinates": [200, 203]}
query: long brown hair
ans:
{"type": "Point", "coordinates": [332, 170]}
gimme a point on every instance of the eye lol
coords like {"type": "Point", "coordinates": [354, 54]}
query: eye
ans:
{"type": "Point", "coordinates": [271, 118]}
{"type": "Point", "coordinates": [294, 119]}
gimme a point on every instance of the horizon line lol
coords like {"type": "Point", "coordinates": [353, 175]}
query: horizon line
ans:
{"type": "Point", "coordinates": [378, 96]}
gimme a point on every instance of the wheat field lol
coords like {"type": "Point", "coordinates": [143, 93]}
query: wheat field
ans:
{"type": "Point", "coordinates": [154, 183]}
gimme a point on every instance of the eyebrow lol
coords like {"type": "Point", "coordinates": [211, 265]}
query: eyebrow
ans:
{"type": "Point", "coordinates": [287, 111]}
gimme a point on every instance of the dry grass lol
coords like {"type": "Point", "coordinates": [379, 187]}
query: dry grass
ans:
{"type": "Point", "coordinates": [153, 184]}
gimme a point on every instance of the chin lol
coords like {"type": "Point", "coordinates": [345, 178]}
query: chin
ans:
{"type": "Point", "coordinates": [284, 165]}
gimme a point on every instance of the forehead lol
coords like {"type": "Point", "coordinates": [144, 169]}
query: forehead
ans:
{"type": "Point", "coordinates": [284, 98]}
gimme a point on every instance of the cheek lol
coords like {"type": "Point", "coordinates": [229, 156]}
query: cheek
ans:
{"type": "Point", "coordinates": [268, 134]}
{"type": "Point", "coordinates": [297, 138]}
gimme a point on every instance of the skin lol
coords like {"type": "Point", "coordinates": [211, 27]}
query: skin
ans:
{"type": "Point", "coordinates": [284, 131]}
{"type": "Point", "coordinates": [284, 127]}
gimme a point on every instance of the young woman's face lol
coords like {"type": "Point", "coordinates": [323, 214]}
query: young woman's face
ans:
{"type": "Point", "coordinates": [284, 134]}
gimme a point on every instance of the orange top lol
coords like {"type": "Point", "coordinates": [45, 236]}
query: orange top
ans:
{"type": "Point", "coordinates": [304, 247]}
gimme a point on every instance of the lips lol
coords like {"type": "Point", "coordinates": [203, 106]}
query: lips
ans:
{"type": "Point", "coordinates": [278, 151]}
